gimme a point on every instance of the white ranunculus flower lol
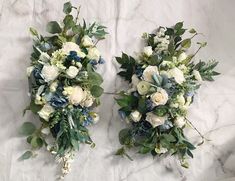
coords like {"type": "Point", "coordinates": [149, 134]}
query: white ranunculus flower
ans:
{"type": "Point", "coordinates": [197, 75]}
{"type": "Point", "coordinates": [180, 122]}
{"type": "Point", "coordinates": [148, 51]}
{"type": "Point", "coordinates": [76, 95]}
{"type": "Point", "coordinates": [45, 112]}
{"type": "Point", "coordinates": [87, 41]}
{"type": "Point", "coordinates": [49, 72]}
{"type": "Point", "coordinates": [72, 72]}
{"type": "Point", "coordinates": [149, 72]}
{"type": "Point", "coordinates": [159, 98]}
{"type": "Point", "coordinates": [135, 116]}
{"type": "Point", "coordinates": [155, 120]}
{"type": "Point", "coordinates": [182, 57]}
{"type": "Point", "coordinates": [96, 117]}
{"type": "Point", "coordinates": [29, 70]}
{"type": "Point", "coordinates": [93, 54]}
{"type": "Point", "coordinates": [134, 80]}
{"type": "Point", "coordinates": [71, 46]}
{"type": "Point", "coordinates": [53, 86]}
{"type": "Point", "coordinates": [177, 74]}
{"type": "Point", "coordinates": [143, 87]}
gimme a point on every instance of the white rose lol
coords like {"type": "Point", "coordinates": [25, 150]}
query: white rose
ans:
{"type": "Point", "coordinates": [87, 41]}
{"type": "Point", "coordinates": [29, 70]}
{"type": "Point", "coordinates": [148, 51]}
{"type": "Point", "coordinates": [135, 116]}
{"type": "Point", "coordinates": [159, 98]}
{"type": "Point", "coordinates": [76, 96]}
{"type": "Point", "coordinates": [49, 72]}
{"type": "Point", "coordinates": [149, 72]}
{"type": "Point", "coordinates": [155, 120]}
{"type": "Point", "coordinates": [72, 72]}
{"type": "Point", "coordinates": [177, 74]}
{"type": "Point", "coordinates": [93, 54]}
{"type": "Point", "coordinates": [134, 80]}
{"type": "Point", "coordinates": [96, 117]}
{"type": "Point", "coordinates": [143, 87]}
{"type": "Point", "coordinates": [53, 86]}
{"type": "Point", "coordinates": [88, 99]}
{"type": "Point", "coordinates": [46, 111]}
{"type": "Point", "coordinates": [182, 57]}
{"type": "Point", "coordinates": [70, 46]}
{"type": "Point", "coordinates": [180, 122]}
{"type": "Point", "coordinates": [197, 75]}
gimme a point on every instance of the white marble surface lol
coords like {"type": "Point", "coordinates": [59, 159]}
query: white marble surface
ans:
{"type": "Point", "coordinates": [212, 113]}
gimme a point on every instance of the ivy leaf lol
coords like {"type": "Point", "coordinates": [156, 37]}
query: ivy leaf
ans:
{"type": "Point", "coordinates": [53, 27]}
{"type": "Point", "coordinates": [67, 8]}
{"type": "Point", "coordinates": [186, 43]}
{"type": "Point", "coordinates": [27, 128]}
{"type": "Point", "coordinates": [97, 91]}
{"type": "Point", "coordinates": [26, 155]}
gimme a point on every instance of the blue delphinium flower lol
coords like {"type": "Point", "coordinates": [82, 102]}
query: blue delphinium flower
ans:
{"type": "Point", "coordinates": [149, 105]}
{"type": "Point", "coordinates": [87, 121]}
{"type": "Point", "coordinates": [58, 101]}
{"type": "Point", "coordinates": [166, 126]}
{"type": "Point", "coordinates": [73, 56]}
{"type": "Point", "coordinates": [101, 61]}
{"type": "Point", "coordinates": [139, 71]}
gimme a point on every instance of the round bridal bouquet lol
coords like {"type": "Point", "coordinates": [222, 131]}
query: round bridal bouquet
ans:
{"type": "Point", "coordinates": [64, 87]}
{"type": "Point", "coordinates": [163, 80]}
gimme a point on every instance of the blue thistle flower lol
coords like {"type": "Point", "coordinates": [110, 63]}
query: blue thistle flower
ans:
{"type": "Point", "coordinates": [73, 56]}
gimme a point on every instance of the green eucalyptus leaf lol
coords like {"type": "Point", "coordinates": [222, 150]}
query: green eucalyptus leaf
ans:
{"type": "Point", "coordinates": [53, 27]}
{"type": "Point", "coordinates": [27, 128]}
{"type": "Point", "coordinates": [96, 91]}
{"type": "Point", "coordinates": [36, 142]}
{"type": "Point", "coordinates": [179, 25]}
{"type": "Point", "coordinates": [26, 155]}
{"type": "Point", "coordinates": [67, 7]}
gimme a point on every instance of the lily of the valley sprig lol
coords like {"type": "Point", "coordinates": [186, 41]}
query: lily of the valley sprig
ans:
{"type": "Point", "coordinates": [64, 87]}
{"type": "Point", "coordinates": [163, 81]}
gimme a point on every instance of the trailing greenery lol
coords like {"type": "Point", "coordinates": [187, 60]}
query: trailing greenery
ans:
{"type": "Point", "coordinates": [163, 81]}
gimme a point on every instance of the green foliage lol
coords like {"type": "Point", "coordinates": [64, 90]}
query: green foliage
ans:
{"type": "Point", "coordinates": [128, 65]}
{"type": "Point", "coordinates": [206, 70]}
{"type": "Point", "coordinates": [53, 27]}
{"type": "Point", "coordinates": [26, 155]}
{"type": "Point", "coordinates": [27, 129]}
{"type": "Point", "coordinates": [97, 91]}
{"type": "Point", "coordinates": [186, 43]}
{"type": "Point", "coordinates": [67, 8]}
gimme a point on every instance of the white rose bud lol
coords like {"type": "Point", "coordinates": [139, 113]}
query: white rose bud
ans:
{"type": "Point", "coordinates": [49, 72]}
{"type": "Point", "coordinates": [72, 72]}
{"type": "Point", "coordinates": [155, 120]}
{"type": "Point", "coordinates": [53, 86]}
{"type": "Point", "coordinates": [182, 57]}
{"type": "Point", "coordinates": [197, 75]}
{"type": "Point", "coordinates": [149, 72]}
{"type": "Point", "coordinates": [93, 54]}
{"type": "Point", "coordinates": [46, 111]}
{"type": "Point", "coordinates": [76, 96]}
{"type": "Point", "coordinates": [46, 131]}
{"type": "Point", "coordinates": [177, 74]}
{"type": "Point", "coordinates": [135, 116]}
{"type": "Point", "coordinates": [29, 70]}
{"type": "Point", "coordinates": [71, 46]}
{"type": "Point", "coordinates": [180, 122]}
{"type": "Point", "coordinates": [96, 117]}
{"type": "Point", "coordinates": [159, 98]}
{"type": "Point", "coordinates": [87, 41]}
{"type": "Point", "coordinates": [148, 51]}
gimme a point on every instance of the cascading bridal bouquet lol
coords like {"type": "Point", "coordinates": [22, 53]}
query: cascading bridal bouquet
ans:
{"type": "Point", "coordinates": [64, 87]}
{"type": "Point", "coordinates": [164, 79]}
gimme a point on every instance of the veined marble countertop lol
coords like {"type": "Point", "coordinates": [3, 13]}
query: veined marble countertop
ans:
{"type": "Point", "coordinates": [212, 112]}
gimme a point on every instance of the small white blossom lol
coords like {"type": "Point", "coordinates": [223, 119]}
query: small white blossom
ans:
{"type": "Point", "coordinates": [87, 41]}
{"type": "Point", "coordinates": [72, 72]}
{"type": "Point", "coordinates": [46, 111]}
{"type": "Point", "coordinates": [180, 122]}
{"type": "Point", "coordinates": [148, 51]}
{"type": "Point", "coordinates": [93, 54]}
{"type": "Point", "coordinates": [177, 74]}
{"type": "Point", "coordinates": [197, 75]}
{"type": "Point", "coordinates": [70, 46]}
{"type": "Point", "coordinates": [155, 120]}
{"type": "Point", "coordinates": [182, 57]}
{"type": "Point", "coordinates": [135, 116]}
{"type": "Point", "coordinates": [29, 70]}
